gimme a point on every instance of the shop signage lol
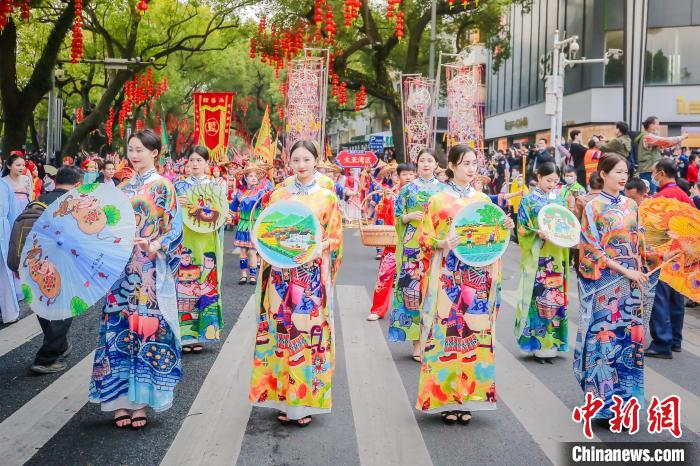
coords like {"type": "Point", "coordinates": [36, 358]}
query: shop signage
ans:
{"type": "Point", "coordinates": [519, 123]}
{"type": "Point", "coordinates": [687, 107]}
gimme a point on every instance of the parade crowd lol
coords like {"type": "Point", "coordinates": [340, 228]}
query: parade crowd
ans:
{"type": "Point", "coordinates": [169, 295]}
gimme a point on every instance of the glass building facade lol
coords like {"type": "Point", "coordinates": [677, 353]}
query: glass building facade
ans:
{"type": "Point", "coordinates": [673, 30]}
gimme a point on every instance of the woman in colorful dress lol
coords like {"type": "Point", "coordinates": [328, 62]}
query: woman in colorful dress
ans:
{"type": "Point", "coordinates": [294, 355]}
{"type": "Point", "coordinates": [460, 305]}
{"type": "Point", "coordinates": [138, 356]}
{"type": "Point", "coordinates": [199, 274]}
{"type": "Point", "coordinates": [411, 266]}
{"type": "Point", "coordinates": [21, 184]}
{"type": "Point", "coordinates": [541, 323]}
{"type": "Point", "coordinates": [9, 306]}
{"type": "Point", "coordinates": [242, 207]}
{"type": "Point", "coordinates": [402, 175]}
{"type": "Point", "coordinates": [609, 353]}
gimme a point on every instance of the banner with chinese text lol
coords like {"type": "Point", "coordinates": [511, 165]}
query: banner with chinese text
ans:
{"type": "Point", "coordinates": [212, 123]}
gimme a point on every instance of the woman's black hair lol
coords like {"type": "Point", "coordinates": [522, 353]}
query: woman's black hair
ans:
{"type": "Point", "coordinates": [405, 167]}
{"type": "Point", "coordinates": [427, 150]}
{"type": "Point", "coordinates": [455, 156]}
{"type": "Point", "coordinates": [306, 144]}
{"type": "Point", "coordinates": [8, 163]}
{"type": "Point", "coordinates": [148, 138]}
{"type": "Point", "coordinates": [201, 151]}
{"type": "Point", "coordinates": [569, 169]}
{"type": "Point", "coordinates": [609, 161]}
{"type": "Point", "coordinates": [546, 169]}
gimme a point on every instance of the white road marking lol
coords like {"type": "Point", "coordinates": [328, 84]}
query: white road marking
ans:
{"type": "Point", "coordinates": [386, 427]}
{"type": "Point", "coordinates": [213, 430]}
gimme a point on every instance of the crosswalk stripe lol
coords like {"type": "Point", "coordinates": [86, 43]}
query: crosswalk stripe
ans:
{"type": "Point", "coordinates": [18, 333]}
{"type": "Point", "coordinates": [654, 383]}
{"type": "Point", "coordinates": [386, 427]}
{"type": "Point", "coordinates": [213, 430]}
{"type": "Point", "coordinates": [24, 432]}
{"type": "Point", "coordinates": [528, 398]}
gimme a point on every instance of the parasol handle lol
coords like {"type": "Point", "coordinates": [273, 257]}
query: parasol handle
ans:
{"type": "Point", "coordinates": [368, 196]}
{"type": "Point", "coordinates": [667, 261]}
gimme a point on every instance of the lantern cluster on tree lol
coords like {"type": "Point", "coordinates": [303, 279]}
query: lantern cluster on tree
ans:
{"type": "Point", "coordinates": [360, 98]}
{"type": "Point", "coordinates": [277, 46]}
{"type": "Point", "coordinates": [7, 7]}
{"type": "Point", "coordinates": [399, 25]}
{"type": "Point", "coordinates": [76, 46]}
{"type": "Point", "coordinates": [109, 126]}
{"type": "Point", "coordinates": [79, 114]}
{"type": "Point", "coordinates": [142, 6]}
{"type": "Point", "coordinates": [343, 94]}
{"type": "Point", "coordinates": [335, 85]}
{"type": "Point", "coordinates": [352, 11]}
{"type": "Point", "coordinates": [139, 124]}
{"type": "Point", "coordinates": [331, 27]}
{"type": "Point", "coordinates": [140, 91]}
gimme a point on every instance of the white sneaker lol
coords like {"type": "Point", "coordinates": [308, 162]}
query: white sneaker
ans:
{"type": "Point", "coordinates": [373, 317]}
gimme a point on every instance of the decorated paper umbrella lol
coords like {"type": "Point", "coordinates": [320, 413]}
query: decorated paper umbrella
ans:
{"type": "Point", "coordinates": [76, 250]}
{"type": "Point", "coordinates": [484, 239]}
{"type": "Point", "coordinates": [206, 208]}
{"type": "Point", "coordinates": [287, 234]}
{"type": "Point", "coordinates": [560, 224]}
{"type": "Point", "coordinates": [671, 226]}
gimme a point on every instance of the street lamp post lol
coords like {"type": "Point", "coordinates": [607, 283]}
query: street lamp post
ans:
{"type": "Point", "coordinates": [555, 62]}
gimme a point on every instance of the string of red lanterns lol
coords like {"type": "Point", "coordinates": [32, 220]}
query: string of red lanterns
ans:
{"type": "Point", "coordinates": [7, 8]}
{"type": "Point", "coordinates": [76, 46]}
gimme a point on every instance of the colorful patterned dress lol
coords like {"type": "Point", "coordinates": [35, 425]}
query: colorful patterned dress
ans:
{"type": "Point", "coordinates": [323, 181]}
{"type": "Point", "coordinates": [138, 355]}
{"type": "Point", "coordinates": [609, 353]}
{"type": "Point", "coordinates": [541, 323]}
{"type": "Point", "coordinates": [242, 206]}
{"type": "Point", "coordinates": [294, 356]}
{"type": "Point", "coordinates": [381, 300]}
{"type": "Point", "coordinates": [199, 279]}
{"type": "Point", "coordinates": [411, 265]}
{"type": "Point", "coordinates": [459, 313]}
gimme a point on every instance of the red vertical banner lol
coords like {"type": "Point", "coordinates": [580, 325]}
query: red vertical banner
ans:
{"type": "Point", "coordinates": [212, 123]}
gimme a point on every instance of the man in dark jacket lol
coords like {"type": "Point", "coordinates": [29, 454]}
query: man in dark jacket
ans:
{"type": "Point", "coordinates": [577, 151]}
{"type": "Point", "coordinates": [51, 356]}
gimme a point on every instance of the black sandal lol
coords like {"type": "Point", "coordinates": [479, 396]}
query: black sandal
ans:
{"type": "Point", "coordinates": [187, 349]}
{"type": "Point", "coordinates": [139, 418]}
{"type": "Point", "coordinates": [198, 348]}
{"type": "Point", "coordinates": [304, 424]}
{"type": "Point", "coordinates": [243, 281]}
{"type": "Point", "coordinates": [461, 415]}
{"type": "Point", "coordinates": [252, 281]}
{"type": "Point", "coordinates": [446, 417]}
{"type": "Point", "coordinates": [283, 419]}
{"type": "Point", "coordinates": [122, 418]}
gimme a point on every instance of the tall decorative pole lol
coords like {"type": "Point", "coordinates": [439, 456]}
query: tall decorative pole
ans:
{"type": "Point", "coordinates": [635, 46]}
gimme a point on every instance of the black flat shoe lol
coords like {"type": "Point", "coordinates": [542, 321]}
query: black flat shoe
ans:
{"type": "Point", "coordinates": [448, 417]}
{"type": "Point", "coordinates": [243, 281]}
{"type": "Point", "coordinates": [650, 353]}
{"type": "Point", "coordinates": [464, 417]}
{"type": "Point", "coordinates": [304, 421]}
{"type": "Point", "coordinates": [676, 349]}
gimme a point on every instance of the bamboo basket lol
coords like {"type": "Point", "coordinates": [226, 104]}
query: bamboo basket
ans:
{"type": "Point", "coordinates": [376, 235]}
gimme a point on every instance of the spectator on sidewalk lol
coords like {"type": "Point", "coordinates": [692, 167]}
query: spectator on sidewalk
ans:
{"type": "Point", "coordinates": [649, 145]}
{"type": "Point", "coordinates": [51, 355]}
{"type": "Point", "coordinates": [693, 166]}
{"type": "Point", "coordinates": [621, 143]}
